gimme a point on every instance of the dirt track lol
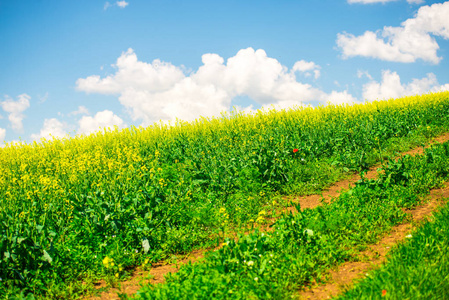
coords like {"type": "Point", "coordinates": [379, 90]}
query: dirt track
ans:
{"type": "Point", "coordinates": [340, 278]}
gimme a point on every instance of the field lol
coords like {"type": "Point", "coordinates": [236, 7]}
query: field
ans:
{"type": "Point", "coordinates": [75, 211]}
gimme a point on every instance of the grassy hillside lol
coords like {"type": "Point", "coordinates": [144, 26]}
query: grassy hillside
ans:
{"type": "Point", "coordinates": [304, 246]}
{"type": "Point", "coordinates": [77, 209]}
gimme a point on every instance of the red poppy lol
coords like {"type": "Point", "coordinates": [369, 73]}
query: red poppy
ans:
{"type": "Point", "coordinates": [384, 293]}
{"type": "Point", "coordinates": [295, 150]}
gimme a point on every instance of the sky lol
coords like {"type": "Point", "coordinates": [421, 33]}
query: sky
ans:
{"type": "Point", "coordinates": [71, 67]}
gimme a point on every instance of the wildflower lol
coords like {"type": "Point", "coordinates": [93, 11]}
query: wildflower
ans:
{"type": "Point", "coordinates": [384, 293]}
{"type": "Point", "coordinates": [295, 150]}
{"type": "Point", "coordinates": [107, 261]}
{"type": "Point", "coordinates": [250, 263]}
{"type": "Point", "coordinates": [116, 275]}
{"type": "Point", "coordinates": [256, 278]}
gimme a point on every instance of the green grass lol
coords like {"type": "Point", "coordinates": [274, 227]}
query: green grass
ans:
{"type": "Point", "coordinates": [304, 246]}
{"type": "Point", "coordinates": [417, 269]}
{"type": "Point", "coordinates": [148, 193]}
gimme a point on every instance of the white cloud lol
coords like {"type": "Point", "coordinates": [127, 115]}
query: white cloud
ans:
{"type": "Point", "coordinates": [338, 98]}
{"type": "Point", "coordinates": [133, 74]}
{"type": "Point", "coordinates": [2, 135]}
{"type": "Point", "coordinates": [307, 67]}
{"type": "Point", "coordinates": [16, 109]}
{"type": "Point", "coordinates": [361, 73]}
{"type": "Point", "coordinates": [51, 128]}
{"type": "Point", "coordinates": [391, 86]}
{"type": "Point", "coordinates": [103, 119]}
{"type": "Point", "coordinates": [82, 110]}
{"type": "Point", "coordinates": [407, 43]}
{"type": "Point", "coordinates": [383, 1]}
{"type": "Point", "coordinates": [122, 4]}
{"type": "Point", "coordinates": [161, 91]}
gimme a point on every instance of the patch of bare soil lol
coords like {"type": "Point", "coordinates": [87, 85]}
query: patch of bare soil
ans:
{"type": "Point", "coordinates": [158, 270]}
{"type": "Point", "coordinates": [336, 189]}
{"type": "Point", "coordinates": [348, 273]}
{"type": "Point", "coordinates": [140, 277]}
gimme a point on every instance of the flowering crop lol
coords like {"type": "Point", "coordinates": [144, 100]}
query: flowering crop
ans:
{"type": "Point", "coordinates": [145, 193]}
{"type": "Point", "coordinates": [301, 248]}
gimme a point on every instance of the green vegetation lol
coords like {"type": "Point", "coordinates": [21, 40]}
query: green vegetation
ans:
{"type": "Point", "coordinates": [302, 247]}
{"type": "Point", "coordinates": [417, 269]}
{"type": "Point", "coordinates": [75, 210]}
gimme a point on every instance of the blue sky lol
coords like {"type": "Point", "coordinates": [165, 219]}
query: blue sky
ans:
{"type": "Point", "coordinates": [71, 67]}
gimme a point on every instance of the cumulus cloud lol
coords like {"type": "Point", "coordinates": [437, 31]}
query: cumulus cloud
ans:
{"type": "Point", "coordinates": [307, 67]}
{"type": "Point", "coordinates": [51, 128]}
{"type": "Point", "coordinates": [15, 110]}
{"type": "Point", "coordinates": [391, 86]}
{"type": "Point", "coordinates": [383, 1]}
{"type": "Point", "coordinates": [161, 91]}
{"type": "Point", "coordinates": [131, 73]}
{"type": "Point", "coordinates": [411, 41]}
{"type": "Point", "coordinates": [339, 98]}
{"type": "Point", "coordinates": [103, 119]}
{"type": "Point", "coordinates": [2, 135]}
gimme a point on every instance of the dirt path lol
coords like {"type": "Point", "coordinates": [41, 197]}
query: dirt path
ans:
{"type": "Point", "coordinates": [336, 189]}
{"type": "Point", "coordinates": [158, 270]}
{"type": "Point", "coordinates": [348, 273]}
